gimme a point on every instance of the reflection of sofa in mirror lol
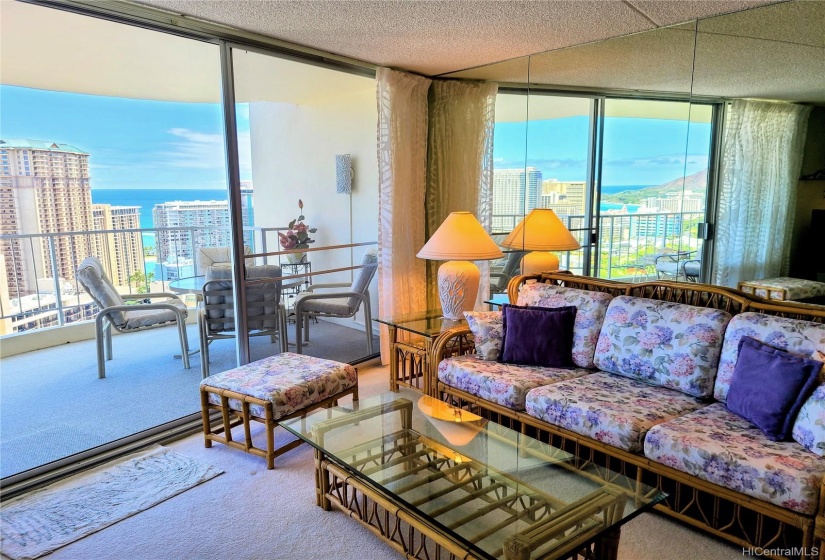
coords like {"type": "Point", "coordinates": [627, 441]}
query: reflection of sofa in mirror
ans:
{"type": "Point", "coordinates": [651, 399]}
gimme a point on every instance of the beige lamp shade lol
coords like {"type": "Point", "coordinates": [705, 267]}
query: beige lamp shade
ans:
{"type": "Point", "coordinates": [541, 230]}
{"type": "Point", "coordinates": [460, 238]}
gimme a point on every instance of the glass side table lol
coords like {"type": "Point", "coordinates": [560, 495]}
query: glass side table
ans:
{"type": "Point", "coordinates": [497, 300]}
{"type": "Point", "coordinates": [410, 358]}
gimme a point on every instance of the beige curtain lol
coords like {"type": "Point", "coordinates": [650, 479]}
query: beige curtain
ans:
{"type": "Point", "coordinates": [459, 163]}
{"type": "Point", "coordinates": [761, 161]}
{"type": "Point", "coordinates": [402, 172]}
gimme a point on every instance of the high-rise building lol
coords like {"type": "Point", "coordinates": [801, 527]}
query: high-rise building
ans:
{"type": "Point", "coordinates": [44, 188]}
{"type": "Point", "coordinates": [195, 224]}
{"type": "Point", "coordinates": [120, 251]}
{"type": "Point", "coordinates": [569, 193]}
{"type": "Point", "coordinates": [515, 193]}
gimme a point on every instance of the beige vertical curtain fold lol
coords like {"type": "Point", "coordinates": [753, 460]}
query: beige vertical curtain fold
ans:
{"type": "Point", "coordinates": [459, 163]}
{"type": "Point", "coordinates": [402, 173]}
{"type": "Point", "coordinates": [761, 162]}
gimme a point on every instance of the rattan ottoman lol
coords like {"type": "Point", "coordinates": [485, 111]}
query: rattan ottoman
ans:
{"type": "Point", "coordinates": [269, 391]}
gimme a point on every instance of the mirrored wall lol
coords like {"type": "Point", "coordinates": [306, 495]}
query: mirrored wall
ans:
{"type": "Point", "coordinates": [624, 140]}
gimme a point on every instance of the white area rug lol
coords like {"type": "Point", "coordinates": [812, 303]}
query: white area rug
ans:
{"type": "Point", "coordinates": [38, 523]}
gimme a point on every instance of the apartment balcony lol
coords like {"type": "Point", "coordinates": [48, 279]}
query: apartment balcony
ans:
{"type": "Point", "coordinates": [49, 359]}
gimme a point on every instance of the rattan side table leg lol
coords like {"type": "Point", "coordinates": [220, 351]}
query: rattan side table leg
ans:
{"type": "Point", "coordinates": [393, 334]}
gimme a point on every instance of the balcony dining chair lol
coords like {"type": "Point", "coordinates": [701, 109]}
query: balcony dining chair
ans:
{"type": "Point", "coordinates": [499, 278]}
{"type": "Point", "coordinates": [265, 312]}
{"type": "Point", "coordinates": [115, 313]}
{"type": "Point", "coordinates": [338, 303]}
{"type": "Point", "coordinates": [215, 256]}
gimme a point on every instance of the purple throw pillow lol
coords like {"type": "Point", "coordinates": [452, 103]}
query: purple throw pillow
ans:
{"type": "Point", "coordinates": [538, 336]}
{"type": "Point", "coordinates": [769, 386]}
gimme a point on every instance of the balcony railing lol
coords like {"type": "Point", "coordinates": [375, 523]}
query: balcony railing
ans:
{"type": "Point", "coordinates": [38, 287]}
{"type": "Point", "coordinates": [628, 243]}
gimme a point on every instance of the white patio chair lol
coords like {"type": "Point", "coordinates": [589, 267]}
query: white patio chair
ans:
{"type": "Point", "coordinates": [115, 313]}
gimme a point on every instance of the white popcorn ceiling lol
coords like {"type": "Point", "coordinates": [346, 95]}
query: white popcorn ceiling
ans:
{"type": "Point", "coordinates": [435, 37]}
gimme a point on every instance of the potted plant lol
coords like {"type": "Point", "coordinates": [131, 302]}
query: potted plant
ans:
{"type": "Point", "coordinates": [297, 236]}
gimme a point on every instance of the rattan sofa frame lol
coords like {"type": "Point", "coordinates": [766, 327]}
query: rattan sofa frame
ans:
{"type": "Point", "coordinates": [730, 515]}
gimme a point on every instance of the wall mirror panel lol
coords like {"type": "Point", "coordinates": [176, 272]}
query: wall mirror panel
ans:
{"type": "Point", "coordinates": [604, 139]}
{"type": "Point", "coordinates": [768, 65]}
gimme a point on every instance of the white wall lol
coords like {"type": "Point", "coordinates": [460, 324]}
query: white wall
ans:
{"type": "Point", "coordinates": [293, 156]}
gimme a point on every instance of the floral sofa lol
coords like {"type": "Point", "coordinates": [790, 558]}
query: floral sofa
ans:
{"type": "Point", "coordinates": [654, 363]}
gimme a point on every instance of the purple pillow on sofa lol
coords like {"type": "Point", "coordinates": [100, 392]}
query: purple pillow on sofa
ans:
{"type": "Point", "coordinates": [769, 386]}
{"type": "Point", "coordinates": [538, 336]}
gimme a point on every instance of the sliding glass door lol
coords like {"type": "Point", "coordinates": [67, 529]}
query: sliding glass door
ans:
{"type": "Point", "coordinates": [627, 177]}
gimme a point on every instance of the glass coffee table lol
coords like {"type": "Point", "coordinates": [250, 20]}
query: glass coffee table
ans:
{"type": "Point", "coordinates": [441, 483]}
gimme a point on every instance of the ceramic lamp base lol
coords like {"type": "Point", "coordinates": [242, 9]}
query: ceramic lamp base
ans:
{"type": "Point", "coordinates": [538, 262]}
{"type": "Point", "coordinates": [458, 287]}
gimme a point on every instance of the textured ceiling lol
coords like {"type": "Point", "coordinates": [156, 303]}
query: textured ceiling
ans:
{"type": "Point", "coordinates": [772, 52]}
{"type": "Point", "coordinates": [434, 37]}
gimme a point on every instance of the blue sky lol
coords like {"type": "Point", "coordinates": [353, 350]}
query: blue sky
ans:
{"type": "Point", "coordinates": [636, 151]}
{"type": "Point", "coordinates": [134, 144]}
{"type": "Point", "coordinates": [138, 144]}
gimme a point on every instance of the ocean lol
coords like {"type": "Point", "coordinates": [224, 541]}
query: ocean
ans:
{"type": "Point", "coordinates": [147, 198]}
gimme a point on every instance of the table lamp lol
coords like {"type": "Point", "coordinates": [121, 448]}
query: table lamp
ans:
{"type": "Point", "coordinates": [458, 240]}
{"type": "Point", "coordinates": [540, 231]}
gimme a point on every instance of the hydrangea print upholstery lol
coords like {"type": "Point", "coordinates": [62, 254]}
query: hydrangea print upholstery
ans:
{"type": "Point", "coordinates": [716, 445]}
{"type": "Point", "coordinates": [591, 308]}
{"type": "Point", "coordinates": [614, 410]}
{"type": "Point", "coordinates": [290, 381]}
{"type": "Point", "coordinates": [488, 332]}
{"type": "Point", "coordinates": [503, 384]}
{"type": "Point", "coordinates": [668, 344]}
{"type": "Point", "coordinates": [809, 428]}
{"type": "Point", "coordinates": [791, 335]}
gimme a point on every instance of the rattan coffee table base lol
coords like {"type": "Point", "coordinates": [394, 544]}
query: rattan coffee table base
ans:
{"type": "Point", "coordinates": [412, 535]}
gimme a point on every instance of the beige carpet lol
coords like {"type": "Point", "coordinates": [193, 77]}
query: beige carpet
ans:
{"type": "Point", "coordinates": [250, 513]}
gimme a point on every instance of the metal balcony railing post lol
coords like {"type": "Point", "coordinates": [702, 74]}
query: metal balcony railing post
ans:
{"type": "Point", "coordinates": [61, 320]}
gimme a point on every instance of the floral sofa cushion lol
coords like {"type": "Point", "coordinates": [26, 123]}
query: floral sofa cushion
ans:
{"type": "Point", "coordinates": [809, 428]}
{"type": "Point", "coordinates": [792, 335]}
{"type": "Point", "coordinates": [716, 445]}
{"type": "Point", "coordinates": [503, 384]}
{"type": "Point", "coordinates": [614, 410]}
{"type": "Point", "coordinates": [290, 381]}
{"type": "Point", "coordinates": [488, 332]}
{"type": "Point", "coordinates": [667, 344]}
{"type": "Point", "coordinates": [591, 308]}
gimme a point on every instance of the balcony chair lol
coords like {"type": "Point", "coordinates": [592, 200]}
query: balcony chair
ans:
{"type": "Point", "coordinates": [341, 304]}
{"type": "Point", "coordinates": [500, 277]}
{"type": "Point", "coordinates": [215, 256]}
{"type": "Point", "coordinates": [265, 313]}
{"type": "Point", "coordinates": [677, 265]}
{"type": "Point", "coordinates": [114, 312]}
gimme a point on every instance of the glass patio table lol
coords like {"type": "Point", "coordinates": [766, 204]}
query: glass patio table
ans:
{"type": "Point", "coordinates": [438, 482]}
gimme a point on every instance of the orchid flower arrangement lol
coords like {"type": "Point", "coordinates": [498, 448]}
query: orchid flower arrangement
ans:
{"type": "Point", "coordinates": [297, 236]}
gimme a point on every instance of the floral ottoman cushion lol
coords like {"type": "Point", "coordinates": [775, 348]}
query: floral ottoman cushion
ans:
{"type": "Point", "coordinates": [791, 335]}
{"type": "Point", "coordinates": [614, 410]}
{"type": "Point", "coordinates": [716, 445]}
{"type": "Point", "coordinates": [668, 344]}
{"type": "Point", "coordinates": [591, 308]}
{"type": "Point", "coordinates": [289, 381]}
{"type": "Point", "coordinates": [503, 384]}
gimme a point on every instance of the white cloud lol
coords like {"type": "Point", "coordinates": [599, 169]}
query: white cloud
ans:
{"type": "Point", "coordinates": [203, 150]}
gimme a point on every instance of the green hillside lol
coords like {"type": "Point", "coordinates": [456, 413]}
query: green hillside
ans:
{"type": "Point", "coordinates": [696, 182]}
